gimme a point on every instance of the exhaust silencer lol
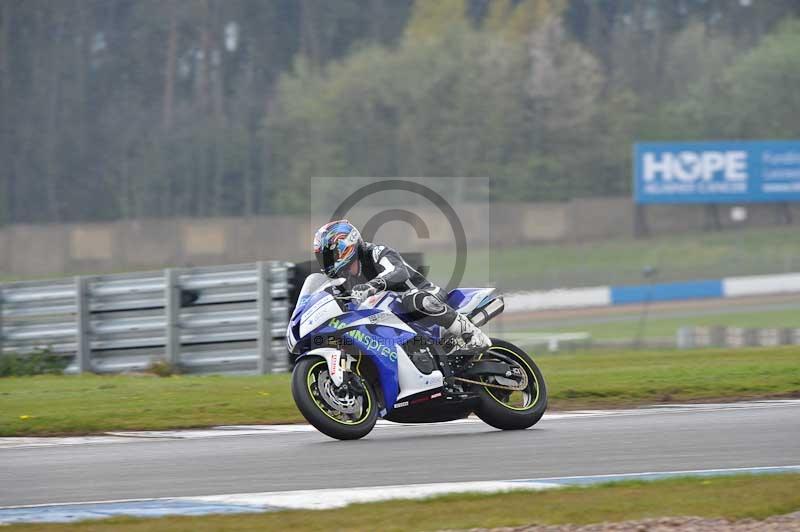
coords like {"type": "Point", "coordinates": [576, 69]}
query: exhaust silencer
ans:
{"type": "Point", "coordinates": [481, 315]}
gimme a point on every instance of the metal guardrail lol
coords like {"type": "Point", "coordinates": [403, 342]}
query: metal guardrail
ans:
{"type": "Point", "coordinates": [691, 337]}
{"type": "Point", "coordinates": [211, 319]}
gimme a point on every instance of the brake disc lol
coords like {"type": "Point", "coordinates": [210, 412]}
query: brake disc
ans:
{"type": "Point", "coordinates": [348, 404]}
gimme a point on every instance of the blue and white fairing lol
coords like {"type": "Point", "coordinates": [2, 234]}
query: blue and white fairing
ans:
{"type": "Point", "coordinates": [374, 329]}
{"type": "Point", "coordinates": [465, 300]}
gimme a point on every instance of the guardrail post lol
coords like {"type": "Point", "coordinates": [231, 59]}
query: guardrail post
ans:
{"type": "Point", "coordinates": [83, 353]}
{"type": "Point", "coordinates": [264, 303]}
{"type": "Point", "coordinates": [1, 321]}
{"type": "Point", "coordinates": [172, 313]}
{"type": "Point", "coordinates": [717, 336]}
{"type": "Point", "coordinates": [280, 352]}
{"type": "Point", "coordinates": [685, 338]}
{"type": "Point", "coordinates": [784, 335]}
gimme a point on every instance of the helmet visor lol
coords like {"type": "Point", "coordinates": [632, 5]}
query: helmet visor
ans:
{"type": "Point", "coordinates": [327, 260]}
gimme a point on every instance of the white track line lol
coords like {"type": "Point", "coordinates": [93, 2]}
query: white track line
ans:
{"type": "Point", "coordinates": [323, 498]}
{"type": "Point", "coordinates": [251, 430]}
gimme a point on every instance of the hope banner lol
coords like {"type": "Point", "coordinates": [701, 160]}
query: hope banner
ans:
{"type": "Point", "coordinates": [716, 172]}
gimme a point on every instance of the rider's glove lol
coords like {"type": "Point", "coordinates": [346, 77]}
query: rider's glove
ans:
{"type": "Point", "coordinates": [361, 292]}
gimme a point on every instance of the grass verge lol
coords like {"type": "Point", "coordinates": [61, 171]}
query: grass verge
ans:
{"type": "Point", "coordinates": [49, 404]}
{"type": "Point", "coordinates": [613, 378]}
{"type": "Point", "coordinates": [738, 497]}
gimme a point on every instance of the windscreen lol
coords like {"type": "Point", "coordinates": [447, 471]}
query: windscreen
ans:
{"type": "Point", "coordinates": [313, 283]}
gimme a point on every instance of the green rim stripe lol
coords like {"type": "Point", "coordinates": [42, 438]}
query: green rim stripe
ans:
{"type": "Point", "coordinates": [535, 380]}
{"type": "Point", "coordinates": [320, 407]}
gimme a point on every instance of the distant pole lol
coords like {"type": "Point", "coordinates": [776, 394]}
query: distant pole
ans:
{"type": "Point", "coordinates": [1, 320]}
{"type": "Point", "coordinates": [649, 273]}
{"type": "Point", "coordinates": [264, 302]}
{"type": "Point", "coordinates": [640, 227]}
{"type": "Point", "coordinates": [738, 216]}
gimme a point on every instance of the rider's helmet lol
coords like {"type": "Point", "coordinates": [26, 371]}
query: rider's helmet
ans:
{"type": "Point", "coordinates": [336, 246]}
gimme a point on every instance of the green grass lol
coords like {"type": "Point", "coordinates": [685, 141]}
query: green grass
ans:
{"type": "Point", "coordinates": [613, 378]}
{"type": "Point", "coordinates": [50, 404]}
{"type": "Point", "coordinates": [620, 261]}
{"type": "Point", "coordinates": [92, 403]}
{"type": "Point", "coordinates": [658, 327]}
{"type": "Point", "coordinates": [735, 497]}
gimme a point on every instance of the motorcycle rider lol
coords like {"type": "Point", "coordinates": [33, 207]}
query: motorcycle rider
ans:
{"type": "Point", "coordinates": [369, 268]}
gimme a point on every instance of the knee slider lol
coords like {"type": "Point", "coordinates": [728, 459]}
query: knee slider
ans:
{"type": "Point", "coordinates": [432, 305]}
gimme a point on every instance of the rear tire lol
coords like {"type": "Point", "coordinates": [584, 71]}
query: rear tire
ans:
{"type": "Point", "coordinates": [495, 406]}
{"type": "Point", "coordinates": [309, 374]}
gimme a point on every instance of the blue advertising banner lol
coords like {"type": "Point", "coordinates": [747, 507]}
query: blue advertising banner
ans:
{"type": "Point", "coordinates": [716, 172]}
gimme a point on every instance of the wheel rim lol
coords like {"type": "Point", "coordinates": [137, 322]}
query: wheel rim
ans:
{"type": "Point", "coordinates": [517, 400]}
{"type": "Point", "coordinates": [345, 408]}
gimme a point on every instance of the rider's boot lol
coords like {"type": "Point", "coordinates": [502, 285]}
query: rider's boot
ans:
{"type": "Point", "coordinates": [465, 335]}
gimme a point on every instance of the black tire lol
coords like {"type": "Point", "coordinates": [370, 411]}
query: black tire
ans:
{"type": "Point", "coordinates": [493, 411]}
{"type": "Point", "coordinates": [303, 382]}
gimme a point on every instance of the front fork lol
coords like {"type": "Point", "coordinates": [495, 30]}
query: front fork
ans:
{"type": "Point", "coordinates": [339, 363]}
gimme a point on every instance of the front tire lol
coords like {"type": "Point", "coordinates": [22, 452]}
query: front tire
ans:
{"type": "Point", "coordinates": [513, 410]}
{"type": "Point", "coordinates": [344, 417]}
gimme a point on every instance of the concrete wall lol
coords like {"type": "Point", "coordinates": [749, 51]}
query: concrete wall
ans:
{"type": "Point", "coordinates": [41, 250]}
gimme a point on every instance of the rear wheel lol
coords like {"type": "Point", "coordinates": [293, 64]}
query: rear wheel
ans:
{"type": "Point", "coordinates": [346, 412]}
{"type": "Point", "coordinates": [512, 409]}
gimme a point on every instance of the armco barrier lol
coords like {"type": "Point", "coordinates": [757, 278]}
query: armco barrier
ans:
{"type": "Point", "coordinates": [602, 296]}
{"type": "Point", "coordinates": [690, 337]}
{"type": "Point", "coordinates": [233, 318]}
{"type": "Point", "coordinates": [213, 319]}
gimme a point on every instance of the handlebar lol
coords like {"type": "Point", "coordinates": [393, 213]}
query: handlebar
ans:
{"type": "Point", "coordinates": [353, 298]}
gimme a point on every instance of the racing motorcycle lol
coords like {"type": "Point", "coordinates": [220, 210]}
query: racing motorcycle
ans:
{"type": "Point", "coordinates": [358, 362]}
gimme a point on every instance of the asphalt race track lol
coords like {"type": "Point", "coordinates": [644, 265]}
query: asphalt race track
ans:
{"type": "Point", "coordinates": [676, 438]}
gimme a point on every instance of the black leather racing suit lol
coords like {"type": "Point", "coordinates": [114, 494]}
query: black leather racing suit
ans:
{"type": "Point", "coordinates": [383, 268]}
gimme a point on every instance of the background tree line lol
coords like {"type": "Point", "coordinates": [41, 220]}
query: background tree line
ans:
{"type": "Point", "coordinates": [155, 108]}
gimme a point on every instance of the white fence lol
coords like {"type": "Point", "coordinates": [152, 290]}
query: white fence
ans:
{"type": "Point", "coordinates": [212, 319]}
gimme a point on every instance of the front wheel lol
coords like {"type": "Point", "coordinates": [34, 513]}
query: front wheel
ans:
{"type": "Point", "coordinates": [506, 409]}
{"type": "Point", "coordinates": [346, 412]}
